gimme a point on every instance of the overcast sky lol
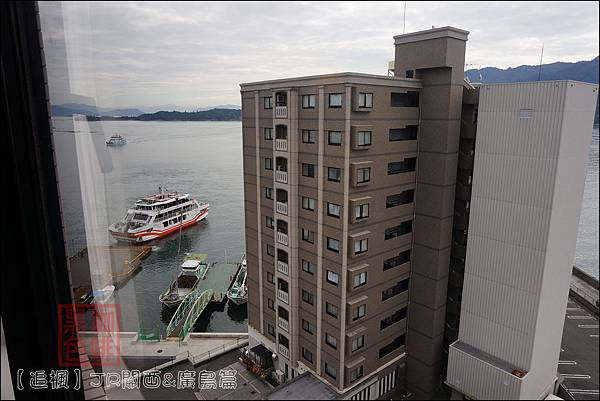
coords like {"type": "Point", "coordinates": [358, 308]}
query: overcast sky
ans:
{"type": "Point", "coordinates": [196, 54]}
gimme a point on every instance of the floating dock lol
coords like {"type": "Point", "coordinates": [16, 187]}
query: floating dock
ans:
{"type": "Point", "coordinates": [213, 288]}
{"type": "Point", "coordinates": [124, 261]}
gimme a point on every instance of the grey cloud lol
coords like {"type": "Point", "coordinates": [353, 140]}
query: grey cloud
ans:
{"type": "Point", "coordinates": [196, 54]}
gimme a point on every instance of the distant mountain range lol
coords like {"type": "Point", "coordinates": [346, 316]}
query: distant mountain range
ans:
{"type": "Point", "coordinates": [584, 71]}
{"type": "Point", "coordinates": [205, 115]}
{"type": "Point", "coordinates": [68, 109]}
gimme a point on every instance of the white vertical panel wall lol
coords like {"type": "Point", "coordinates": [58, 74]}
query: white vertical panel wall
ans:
{"type": "Point", "coordinates": [530, 160]}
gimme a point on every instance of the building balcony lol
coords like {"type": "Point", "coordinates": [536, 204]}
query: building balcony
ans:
{"type": "Point", "coordinates": [283, 351]}
{"type": "Point", "coordinates": [282, 238]}
{"type": "Point", "coordinates": [283, 267]}
{"type": "Point", "coordinates": [281, 176]}
{"type": "Point", "coordinates": [282, 208]}
{"type": "Point", "coordinates": [281, 112]}
{"type": "Point", "coordinates": [284, 324]}
{"type": "Point", "coordinates": [281, 144]}
{"type": "Point", "coordinates": [283, 296]}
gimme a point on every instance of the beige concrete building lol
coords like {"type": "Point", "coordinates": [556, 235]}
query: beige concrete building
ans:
{"type": "Point", "coordinates": [357, 200]}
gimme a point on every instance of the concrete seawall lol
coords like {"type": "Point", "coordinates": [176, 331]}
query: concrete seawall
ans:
{"type": "Point", "coordinates": [584, 290]}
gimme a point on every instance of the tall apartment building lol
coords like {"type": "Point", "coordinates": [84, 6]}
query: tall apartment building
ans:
{"type": "Point", "coordinates": [357, 198]}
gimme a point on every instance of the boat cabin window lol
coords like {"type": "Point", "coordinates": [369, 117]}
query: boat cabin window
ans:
{"type": "Point", "coordinates": [140, 217]}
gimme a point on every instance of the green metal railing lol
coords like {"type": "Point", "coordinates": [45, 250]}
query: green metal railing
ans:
{"type": "Point", "coordinates": [188, 312]}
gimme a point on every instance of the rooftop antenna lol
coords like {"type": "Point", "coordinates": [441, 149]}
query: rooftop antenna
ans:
{"type": "Point", "coordinates": [541, 58]}
{"type": "Point", "coordinates": [404, 24]}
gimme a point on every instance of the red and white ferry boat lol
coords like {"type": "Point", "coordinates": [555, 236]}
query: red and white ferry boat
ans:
{"type": "Point", "coordinates": [158, 215]}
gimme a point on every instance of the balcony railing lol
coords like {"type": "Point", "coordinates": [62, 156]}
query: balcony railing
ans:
{"type": "Point", "coordinates": [283, 267]}
{"type": "Point", "coordinates": [281, 176]}
{"type": "Point", "coordinates": [282, 238]}
{"type": "Point", "coordinates": [281, 112]}
{"type": "Point", "coordinates": [281, 144]}
{"type": "Point", "coordinates": [281, 208]}
{"type": "Point", "coordinates": [284, 352]}
{"type": "Point", "coordinates": [284, 324]}
{"type": "Point", "coordinates": [283, 296]}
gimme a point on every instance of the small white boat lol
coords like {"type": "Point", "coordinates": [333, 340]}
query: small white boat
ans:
{"type": "Point", "coordinates": [193, 270]}
{"type": "Point", "coordinates": [116, 140]}
{"type": "Point", "coordinates": [238, 293]}
{"type": "Point", "coordinates": [103, 296]}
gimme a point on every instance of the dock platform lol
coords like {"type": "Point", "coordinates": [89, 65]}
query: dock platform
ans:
{"type": "Point", "coordinates": [125, 261]}
{"type": "Point", "coordinates": [219, 278]}
{"type": "Point", "coordinates": [213, 288]}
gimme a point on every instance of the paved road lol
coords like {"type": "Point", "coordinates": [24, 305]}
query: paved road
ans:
{"type": "Point", "coordinates": [578, 363]}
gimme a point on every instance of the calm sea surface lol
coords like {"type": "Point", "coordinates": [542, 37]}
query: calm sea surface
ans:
{"type": "Point", "coordinates": [205, 160]}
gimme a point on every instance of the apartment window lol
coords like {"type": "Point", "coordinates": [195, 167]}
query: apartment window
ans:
{"type": "Point", "coordinates": [268, 193]}
{"type": "Point", "coordinates": [333, 278]}
{"type": "Point", "coordinates": [307, 355]}
{"type": "Point", "coordinates": [271, 330]}
{"type": "Point", "coordinates": [331, 310]}
{"type": "Point", "coordinates": [363, 138]}
{"type": "Point", "coordinates": [391, 347]}
{"type": "Point", "coordinates": [308, 297]}
{"type": "Point", "coordinates": [406, 166]}
{"type": "Point", "coordinates": [308, 203]}
{"type": "Point", "coordinates": [357, 343]}
{"type": "Point", "coordinates": [356, 373]}
{"type": "Point", "coordinates": [363, 175]}
{"type": "Point", "coordinates": [334, 138]}
{"type": "Point", "coordinates": [403, 257]}
{"type": "Point", "coordinates": [268, 163]}
{"type": "Point", "coordinates": [308, 236]}
{"type": "Point", "coordinates": [308, 170]}
{"type": "Point", "coordinates": [408, 133]}
{"type": "Point", "coordinates": [402, 198]}
{"type": "Point", "coordinates": [408, 99]}
{"type": "Point", "coordinates": [270, 222]}
{"type": "Point", "coordinates": [403, 228]}
{"type": "Point", "coordinates": [308, 327]}
{"type": "Point", "coordinates": [270, 250]}
{"type": "Point", "coordinates": [331, 372]}
{"type": "Point", "coordinates": [333, 244]}
{"type": "Point", "coordinates": [361, 246]}
{"type": "Point", "coordinates": [365, 100]}
{"type": "Point", "coordinates": [359, 311]}
{"type": "Point", "coordinates": [270, 278]}
{"type": "Point", "coordinates": [399, 288]}
{"type": "Point", "coordinates": [270, 302]}
{"type": "Point", "coordinates": [309, 101]}
{"type": "Point", "coordinates": [331, 340]}
{"type": "Point", "coordinates": [309, 136]}
{"type": "Point", "coordinates": [308, 267]}
{"type": "Point", "coordinates": [359, 280]}
{"type": "Point", "coordinates": [268, 102]}
{"type": "Point", "coordinates": [268, 134]}
{"type": "Point", "coordinates": [334, 174]}
{"type": "Point", "coordinates": [333, 210]}
{"type": "Point", "coordinates": [394, 318]}
{"type": "Point", "coordinates": [361, 211]}
{"type": "Point", "coordinates": [335, 100]}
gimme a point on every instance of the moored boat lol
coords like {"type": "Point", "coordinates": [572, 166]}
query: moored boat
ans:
{"type": "Point", "coordinates": [193, 270]}
{"type": "Point", "coordinates": [103, 296]}
{"type": "Point", "coordinates": [158, 215]}
{"type": "Point", "coordinates": [238, 293]}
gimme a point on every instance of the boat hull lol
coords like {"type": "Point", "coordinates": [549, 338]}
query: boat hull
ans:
{"type": "Point", "coordinates": [154, 233]}
{"type": "Point", "coordinates": [238, 301]}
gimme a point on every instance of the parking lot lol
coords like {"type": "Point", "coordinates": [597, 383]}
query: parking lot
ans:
{"type": "Point", "coordinates": [578, 364]}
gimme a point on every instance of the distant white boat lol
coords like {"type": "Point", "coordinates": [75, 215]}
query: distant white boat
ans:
{"type": "Point", "coordinates": [193, 270]}
{"type": "Point", "coordinates": [238, 293]}
{"type": "Point", "coordinates": [116, 140]}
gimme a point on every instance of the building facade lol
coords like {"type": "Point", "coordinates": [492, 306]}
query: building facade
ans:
{"type": "Point", "coordinates": [357, 203]}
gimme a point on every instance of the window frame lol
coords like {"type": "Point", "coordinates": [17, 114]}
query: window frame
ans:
{"type": "Point", "coordinates": [360, 282]}
{"type": "Point", "coordinates": [335, 282]}
{"type": "Point", "coordinates": [268, 105]}
{"type": "Point", "coordinates": [270, 131]}
{"type": "Point", "coordinates": [362, 249]}
{"type": "Point", "coordinates": [307, 136]}
{"type": "Point", "coordinates": [358, 138]}
{"type": "Point", "coordinates": [332, 169]}
{"type": "Point", "coordinates": [310, 173]}
{"type": "Point", "coordinates": [360, 175]}
{"type": "Point", "coordinates": [309, 97]}
{"type": "Point", "coordinates": [365, 96]}
{"type": "Point", "coordinates": [335, 106]}
{"type": "Point", "coordinates": [359, 209]}
{"type": "Point", "coordinates": [339, 210]}
{"type": "Point", "coordinates": [336, 250]}
{"type": "Point", "coordinates": [334, 134]}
